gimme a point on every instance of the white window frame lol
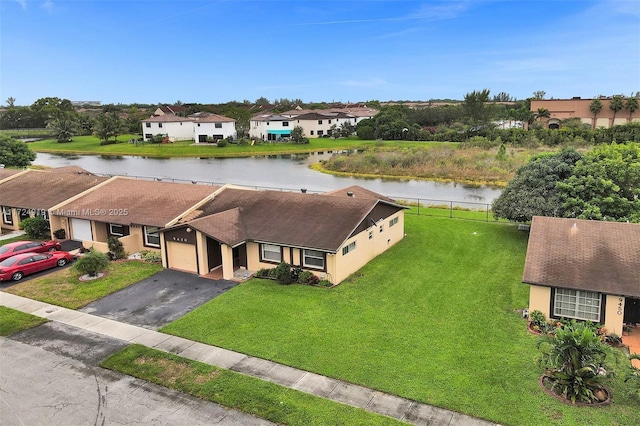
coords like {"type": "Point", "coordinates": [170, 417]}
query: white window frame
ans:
{"type": "Point", "coordinates": [393, 221]}
{"type": "Point", "coordinates": [350, 247]}
{"type": "Point", "coordinates": [313, 254]}
{"type": "Point", "coordinates": [578, 304]}
{"type": "Point", "coordinates": [266, 249]}
{"type": "Point", "coordinates": [151, 231]}
{"type": "Point", "coordinates": [7, 215]}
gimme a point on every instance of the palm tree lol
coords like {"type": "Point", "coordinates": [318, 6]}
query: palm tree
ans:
{"type": "Point", "coordinates": [63, 128]}
{"type": "Point", "coordinates": [543, 113]}
{"type": "Point", "coordinates": [632, 106]}
{"type": "Point", "coordinates": [616, 104]}
{"type": "Point", "coordinates": [595, 107]}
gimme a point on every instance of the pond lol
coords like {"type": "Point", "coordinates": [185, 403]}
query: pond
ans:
{"type": "Point", "coordinates": [290, 172]}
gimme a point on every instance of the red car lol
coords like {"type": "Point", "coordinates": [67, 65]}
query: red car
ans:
{"type": "Point", "coordinates": [11, 249]}
{"type": "Point", "coordinates": [16, 267]}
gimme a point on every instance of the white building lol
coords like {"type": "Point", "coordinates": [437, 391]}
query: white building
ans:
{"type": "Point", "coordinates": [200, 127]}
{"type": "Point", "coordinates": [315, 123]}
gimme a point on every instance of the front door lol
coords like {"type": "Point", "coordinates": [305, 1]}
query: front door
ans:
{"type": "Point", "coordinates": [631, 311]}
{"type": "Point", "coordinates": [240, 256]}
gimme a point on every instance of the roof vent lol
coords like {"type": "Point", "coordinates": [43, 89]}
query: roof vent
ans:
{"type": "Point", "coordinates": [349, 194]}
{"type": "Point", "coordinates": [303, 190]}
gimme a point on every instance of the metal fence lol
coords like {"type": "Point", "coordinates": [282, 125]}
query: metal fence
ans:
{"type": "Point", "coordinates": [416, 206]}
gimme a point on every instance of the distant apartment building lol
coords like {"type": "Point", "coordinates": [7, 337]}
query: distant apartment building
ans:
{"type": "Point", "coordinates": [562, 109]}
{"type": "Point", "coordinates": [200, 127]}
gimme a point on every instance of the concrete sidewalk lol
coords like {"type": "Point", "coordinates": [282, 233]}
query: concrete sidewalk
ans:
{"type": "Point", "coordinates": [304, 381]}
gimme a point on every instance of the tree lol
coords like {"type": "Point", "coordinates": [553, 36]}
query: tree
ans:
{"type": "Point", "coordinates": [45, 109]}
{"type": "Point", "coordinates": [346, 129]}
{"type": "Point", "coordinates": [11, 101]}
{"type": "Point", "coordinates": [595, 107]}
{"type": "Point", "coordinates": [616, 104]}
{"type": "Point", "coordinates": [365, 129]}
{"type": "Point", "coordinates": [542, 113]}
{"type": "Point", "coordinates": [532, 192]}
{"type": "Point", "coordinates": [15, 153]}
{"type": "Point", "coordinates": [539, 95]}
{"type": "Point", "coordinates": [477, 107]}
{"type": "Point", "coordinates": [604, 184]}
{"type": "Point", "coordinates": [297, 135]}
{"type": "Point", "coordinates": [107, 126]}
{"type": "Point", "coordinates": [334, 131]}
{"type": "Point", "coordinates": [503, 97]}
{"type": "Point", "coordinates": [36, 228]}
{"type": "Point", "coordinates": [63, 128]}
{"type": "Point", "coordinates": [631, 105]}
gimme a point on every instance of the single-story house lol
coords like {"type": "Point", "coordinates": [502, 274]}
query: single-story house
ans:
{"type": "Point", "coordinates": [332, 234]}
{"type": "Point", "coordinates": [584, 269]}
{"type": "Point", "coordinates": [200, 127]}
{"type": "Point", "coordinates": [133, 210]}
{"type": "Point", "coordinates": [33, 192]}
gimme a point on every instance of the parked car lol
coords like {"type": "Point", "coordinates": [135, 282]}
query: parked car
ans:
{"type": "Point", "coordinates": [16, 267]}
{"type": "Point", "coordinates": [17, 247]}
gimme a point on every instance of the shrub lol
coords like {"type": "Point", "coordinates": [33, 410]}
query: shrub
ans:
{"type": "Point", "coordinates": [222, 143]}
{"type": "Point", "coordinates": [305, 277]}
{"type": "Point", "coordinates": [116, 249]}
{"type": "Point", "coordinates": [36, 228]}
{"type": "Point", "coordinates": [151, 256]}
{"type": "Point", "coordinates": [92, 263]}
{"type": "Point", "coordinates": [538, 319]}
{"type": "Point", "coordinates": [283, 273]}
{"type": "Point", "coordinates": [325, 283]}
{"type": "Point", "coordinates": [574, 359]}
{"type": "Point", "coordinates": [108, 142]}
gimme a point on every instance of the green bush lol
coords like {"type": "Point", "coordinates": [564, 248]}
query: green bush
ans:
{"type": "Point", "coordinates": [36, 228]}
{"type": "Point", "coordinates": [92, 263]}
{"type": "Point", "coordinates": [222, 143]}
{"type": "Point", "coordinates": [283, 273]}
{"type": "Point", "coordinates": [305, 277]}
{"type": "Point", "coordinates": [537, 319]}
{"type": "Point", "coordinates": [151, 256]}
{"type": "Point", "coordinates": [116, 249]}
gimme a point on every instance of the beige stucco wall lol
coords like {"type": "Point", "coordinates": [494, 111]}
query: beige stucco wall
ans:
{"type": "Point", "coordinates": [614, 314]}
{"type": "Point", "coordinates": [540, 299]}
{"type": "Point", "coordinates": [59, 222]}
{"type": "Point", "coordinates": [579, 108]}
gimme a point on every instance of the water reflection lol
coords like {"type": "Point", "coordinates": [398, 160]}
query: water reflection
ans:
{"type": "Point", "coordinates": [289, 171]}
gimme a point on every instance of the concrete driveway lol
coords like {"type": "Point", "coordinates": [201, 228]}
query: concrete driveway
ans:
{"type": "Point", "coordinates": [156, 301]}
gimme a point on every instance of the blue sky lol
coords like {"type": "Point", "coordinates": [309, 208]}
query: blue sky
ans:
{"type": "Point", "coordinates": [152, 51]}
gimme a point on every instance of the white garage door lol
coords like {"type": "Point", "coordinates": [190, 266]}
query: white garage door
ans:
{"type": "Point", "coordinates": [182, 256]}
{"type": "Point", "coordinates": [81, 230]}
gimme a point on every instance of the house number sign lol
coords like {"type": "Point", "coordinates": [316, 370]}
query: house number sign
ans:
{"type": "Point", "coordinates": [620, 302]}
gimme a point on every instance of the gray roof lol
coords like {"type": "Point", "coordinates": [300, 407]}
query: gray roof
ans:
{"type": "Point", "coordinates": [584, 255]}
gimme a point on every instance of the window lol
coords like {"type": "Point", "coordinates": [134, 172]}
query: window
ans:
{"type": "Point", "coordinates": [159, 124]}
{"type": "Point", "coordinates": [319, 121]}
{"type": "Point", "coordinates": [350, 247]}
{"type": "Point", "coordinates": [381, 229]}
{"type": "Point", "coordinates": [118, 230]}
{"type": "Point", "coordinates": [148, 136]}
{"type": "Point", "coordinates": [7, 217]}
{"type": "Point", "coordinates": [147, 124]}
{"type": "Point", "coordinates": [329, 121]}
{"type": "Point", "coordinates": [393, 221]}
{"type": "Point", "coordinates": [320, 133]}
{"type": "Point", "coordinates": [198, 124]}
{"type": "Point", "coordinates": [151, 236]}
{"type": "Point", "coordinates": [312, 133]}
{"type": "Point", "coordinates": [218, 125]}
{"type": "Point", "coordinates": [270, 253]}
{"type": "Point", "coordinates": [313, 259]}
{"type": "Point", "coordinates": [584, 305]}
{"type": "Point", "coordinates": [370, 235]}
{"type": "Point", "coordinates": [285, 124]}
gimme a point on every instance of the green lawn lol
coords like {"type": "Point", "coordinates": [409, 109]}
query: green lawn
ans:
{"type": "Point", "coordinates": [266, 400]}
{"type": "Point", "coordinates": [14, 239]}
{"type": "Point", "coordinates": [433, 319]}
{"type": "Point", "coordinates": [63, 288]}
{"type": "Point", "coordinates": [12, 321]}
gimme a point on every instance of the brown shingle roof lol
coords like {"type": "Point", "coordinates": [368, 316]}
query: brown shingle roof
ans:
{"type": "Point", "coordinates": [212, 118]}
{"type": "Point", "coordinates": [5, 173]}
{"type": "Point", "coordinates": [129, 201]}
{"type": "Point", "coordinates": [584, 255]}
{"type": "Point", "coordinates": [322, 222]}
{"type": "Point", "coordinates": [358, 192]}
{"type": "Point", "coordinates": [43, 189]}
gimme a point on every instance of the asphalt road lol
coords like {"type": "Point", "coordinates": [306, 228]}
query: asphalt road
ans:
{"type": "Point", "coordinates": [158, 300]}
{"type": "Point", "coordinates": [49, 376]}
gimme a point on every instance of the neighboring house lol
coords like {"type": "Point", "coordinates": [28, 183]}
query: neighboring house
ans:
{"type": "Point", "coordinates": [33, 192]}
{"type": "Point", "coordinates": [200, 127]}
{"type": "Point", "coordinates": [170, 110]}
{"type": "Point", "coordinates": [5, 173]}
{"type": "Point", "coordinates": [587, 270]}
{"type": "Point", "coordinates": [315, 123]}
{"type": "Point", "coordinates": [133, 210]}
{"type": "Point", "coordinates": [173, 127]}
{"type": "Point", "coordinates": [332, 235]}
{"type": "Point", "coordinates": [209, 127]}
{"type": "Point", "coordinates": [562, 109]}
